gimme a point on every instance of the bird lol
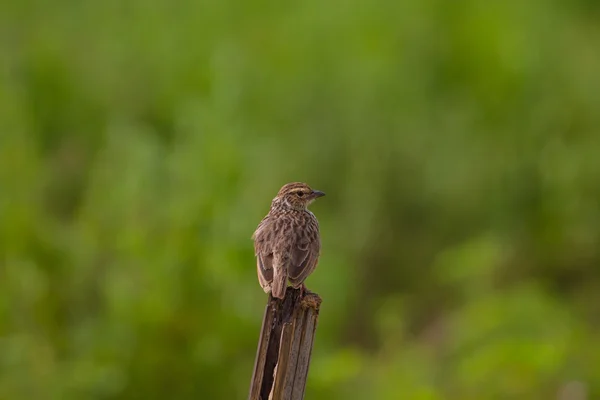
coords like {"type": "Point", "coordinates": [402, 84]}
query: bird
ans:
{"type": "Point", "coordinates": [287, 243]}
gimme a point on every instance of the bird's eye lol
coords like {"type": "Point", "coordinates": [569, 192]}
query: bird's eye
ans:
{"type": "Point", "coordinates": [300, 194]}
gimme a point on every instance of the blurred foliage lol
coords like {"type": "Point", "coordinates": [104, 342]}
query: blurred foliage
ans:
{"type": "Point", "coordinates": [141, 142]}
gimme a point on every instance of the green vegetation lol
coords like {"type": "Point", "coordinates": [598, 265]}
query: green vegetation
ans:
{"type": "Point", "coordinates": [141, 142]}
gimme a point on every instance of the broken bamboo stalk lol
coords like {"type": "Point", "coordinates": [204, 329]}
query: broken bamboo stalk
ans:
{"type": "Point", "coordinates": [285, 346]}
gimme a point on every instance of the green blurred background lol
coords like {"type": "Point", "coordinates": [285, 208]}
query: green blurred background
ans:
{"type": "Point", "coordinates": [141, 142]}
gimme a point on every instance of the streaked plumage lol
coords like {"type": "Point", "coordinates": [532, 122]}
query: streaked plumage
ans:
{"type": "Point", "coordinates": [287, 242]}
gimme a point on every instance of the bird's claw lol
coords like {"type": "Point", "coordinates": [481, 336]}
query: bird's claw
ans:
{"type": "Point", "coordinates": [303, 291]}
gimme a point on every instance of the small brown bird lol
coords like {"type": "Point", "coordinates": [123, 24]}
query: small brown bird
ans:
{"type": "Point", "coordinates": [287, 242]}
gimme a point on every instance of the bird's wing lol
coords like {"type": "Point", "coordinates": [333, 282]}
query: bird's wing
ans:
{"type": "Point", "coordinates": [264, 256]}
{"type": "Point", "coordinates": [264, 269]}
{"type": "Point", "coordinates": [304, 260]}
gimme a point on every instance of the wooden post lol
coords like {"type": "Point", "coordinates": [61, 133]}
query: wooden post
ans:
{"type": "Point", "coordinates": [285, 346]}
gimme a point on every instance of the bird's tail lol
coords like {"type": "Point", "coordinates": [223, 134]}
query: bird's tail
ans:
{"type": "Point", "coordinates": [279, 284]}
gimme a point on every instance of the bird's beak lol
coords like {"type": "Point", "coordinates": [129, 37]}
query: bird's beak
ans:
{"type": "Point", "coordinates": [317, 193]}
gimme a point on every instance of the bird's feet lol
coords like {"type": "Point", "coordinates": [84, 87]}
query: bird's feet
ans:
{"type": "Point", "coordinates": [302, 290]}
{"type": "Point", "coordinates": [308, 298]}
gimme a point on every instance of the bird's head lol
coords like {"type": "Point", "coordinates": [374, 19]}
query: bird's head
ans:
{"type": "Point", "coordinates": [296, 195]}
